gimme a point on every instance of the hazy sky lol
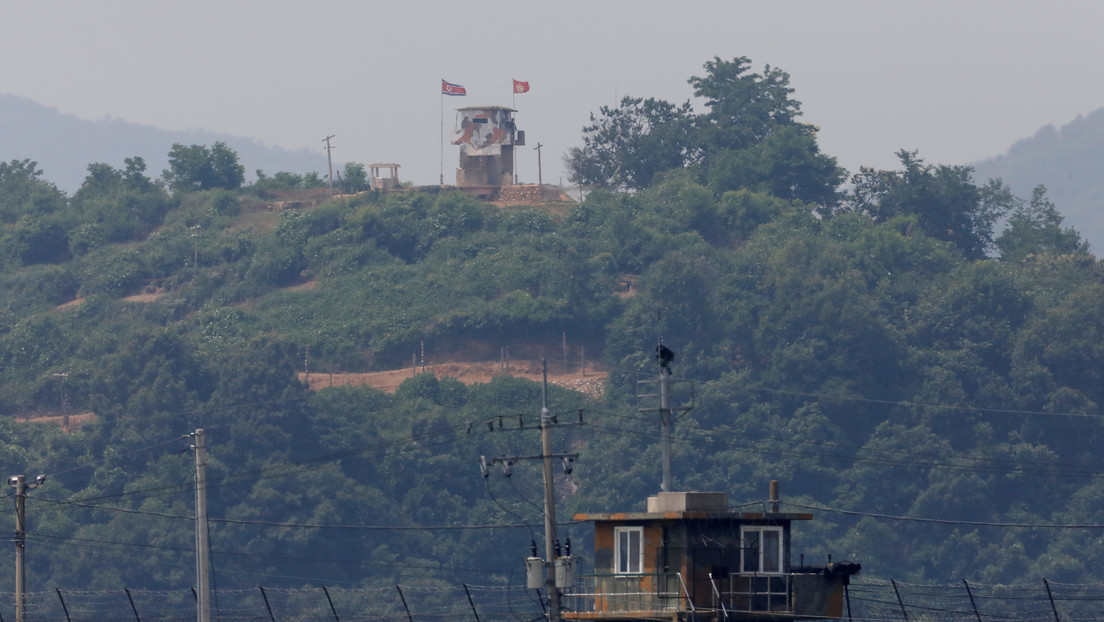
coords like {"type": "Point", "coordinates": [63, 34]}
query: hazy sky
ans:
{"type": "Point", "coordinates": [959, 80]}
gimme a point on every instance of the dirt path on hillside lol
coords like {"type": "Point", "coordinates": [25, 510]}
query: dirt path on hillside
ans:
{"type": "Point", "coordinates": [592, 383]}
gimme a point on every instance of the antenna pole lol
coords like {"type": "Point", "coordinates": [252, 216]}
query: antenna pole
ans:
{"type": "Point", "coordinates": [667, 428]}
{"type": "Point", "coordinates": [549, 503]}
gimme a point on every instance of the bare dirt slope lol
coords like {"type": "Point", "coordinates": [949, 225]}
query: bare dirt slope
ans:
{"type": "Point", "coordinates": [591, 383]}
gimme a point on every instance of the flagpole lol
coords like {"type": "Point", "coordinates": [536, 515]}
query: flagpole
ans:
{"type": "Point", "coordinates": [513, 104]}
{"type": "Point", "coordinates": [442, 137]}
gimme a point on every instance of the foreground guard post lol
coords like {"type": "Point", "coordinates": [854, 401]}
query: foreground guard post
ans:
{"type": "Point", "coordinates": [688, 557]}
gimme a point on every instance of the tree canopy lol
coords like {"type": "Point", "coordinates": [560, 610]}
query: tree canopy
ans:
{"type": "Point", "coordinates": [197, 167]}
{"type": "Point", "coordinates": [747, 137]}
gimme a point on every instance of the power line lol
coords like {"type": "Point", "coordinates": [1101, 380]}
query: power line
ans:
{"type": "Point", "coordinates": [950, 407]}
{"type": "Point", "coordinates": [942, 521]}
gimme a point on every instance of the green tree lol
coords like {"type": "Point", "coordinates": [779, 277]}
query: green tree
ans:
{"type": "Point", "coordinates": [195, 167]}
{"type": "Point", "coordinates": [947, 204]}
{"type": "Point", "coordinates": [787, 164]}
{"type": "Point", "coordinates": [1035, 227]}
{"type": "Point", "coordinates": [354, 177]}
{"type": "Point", "coordinates": [116, 205]}
{"type": "Point", "coordinates": [24, 191]}
{"type": "Point", "coordinates": [747, 138]}
{"type": "Point", "coordinates": [744, 108]}
{"type": "Point", "coordinates": [627, 146]}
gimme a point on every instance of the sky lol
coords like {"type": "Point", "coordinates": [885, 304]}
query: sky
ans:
{"type": "Point", "coordinates": [959, 81]}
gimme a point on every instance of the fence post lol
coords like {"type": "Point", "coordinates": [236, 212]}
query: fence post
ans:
{"type": "Point", "coordinates": [1051, 597]}
{"type": "Point", "coordinates": [267, 606]}
{"type": "Point", "coordinates": [330, 600]}
{"type": "Point", "coordinates": [471, 602]}
{"type": "Point", "coordinates": [132, 607]}
{"type": "Point", "coordinates": [403, 599]}
{"type": "Point", "coordinates": [899, 601]}
{"type": "Point", "coordinates": [63, 607]}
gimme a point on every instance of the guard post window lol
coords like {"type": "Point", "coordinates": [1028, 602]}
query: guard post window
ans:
{"type": "Point", "coordinates": [762, 550]}
{"type": "Point", "coordinates": [629, 550]}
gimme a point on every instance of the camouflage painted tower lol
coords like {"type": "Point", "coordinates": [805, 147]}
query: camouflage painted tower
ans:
{"type": "Point", "coordinates": [487, 137]}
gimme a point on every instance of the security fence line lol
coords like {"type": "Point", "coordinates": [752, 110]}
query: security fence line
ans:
{"type": "Point", "coordinates": [867, 601]}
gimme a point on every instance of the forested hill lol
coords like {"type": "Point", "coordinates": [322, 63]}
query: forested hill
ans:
{"type": "Point", "coordinates": [1066, 160]}
{"type": "Point", "coordinates": [64, 145]}
{"type": "Point", "coordinates": [930, 387]}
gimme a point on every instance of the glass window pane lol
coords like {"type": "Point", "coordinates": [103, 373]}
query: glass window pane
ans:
{"type": "Point", "coordinates": [772, 551]}
{"type": "Point", "coordinates": [623, 551]}
{"type": "Point", "coordinates": [751, 551]}
{"type": "Point", "coordinates": [634, 551]}
{"type": "Point", "coordinates": [628, 553]}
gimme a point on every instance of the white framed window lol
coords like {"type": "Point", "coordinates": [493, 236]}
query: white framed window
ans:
{"type": "Point", "coordinates": [628, 550]}
{"type": "Point", "coordinates": [761, 552]}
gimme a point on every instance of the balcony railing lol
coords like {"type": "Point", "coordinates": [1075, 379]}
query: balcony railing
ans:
{"type": "Point", "coordinates": [608, 593]}
{"type": "Point", "coordinates": [736, 596]}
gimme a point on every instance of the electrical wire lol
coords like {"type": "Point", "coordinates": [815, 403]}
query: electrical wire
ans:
{"type": "Point", "coordinates": [941, 521]}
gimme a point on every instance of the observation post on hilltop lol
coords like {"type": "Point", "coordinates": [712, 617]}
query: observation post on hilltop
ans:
{"type": "Point", "coordinates": [487, 137]}
{"type": "Point", "coordinates": [378, 181]}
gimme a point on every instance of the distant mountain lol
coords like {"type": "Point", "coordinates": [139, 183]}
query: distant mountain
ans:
{"type": "Point", "coordinates": [1068, 161]}
{"type": "Point", "coordinates": [64, 145]}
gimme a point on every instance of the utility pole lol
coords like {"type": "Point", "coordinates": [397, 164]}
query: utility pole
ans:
{"type": "Point", "coordinates": [540, 174]}
{"type": "Point", "coordinates": [549, 503]}
{"type": "Point", "coordinates": [329, 161]}
{"type": "Point", "coordinates": [203, 574]}
{"type": "Point", "coordinates": [19, 482]}
{"type": "Point", "coordinates": [558, 570]}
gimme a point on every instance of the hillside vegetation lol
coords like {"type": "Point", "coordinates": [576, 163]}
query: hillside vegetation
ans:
{"type": "Point", "coordinates": [880, 349]}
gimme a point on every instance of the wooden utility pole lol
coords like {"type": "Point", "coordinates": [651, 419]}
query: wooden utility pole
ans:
{"type": "Point", "coordinates": [203, 574]}
{"type": "Point", "coordinates": [329, 161]}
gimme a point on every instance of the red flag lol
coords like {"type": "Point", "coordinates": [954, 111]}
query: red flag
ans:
{"type": "Point", "coordinates": [521, 87]}
{"type": "Point", "coordinates": [448, 88]}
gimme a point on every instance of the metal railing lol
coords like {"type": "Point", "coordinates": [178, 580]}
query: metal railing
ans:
{"type": "Point", "coordinates": [758, 593]}
{"type": "Point", "coordinates": [634, 592]}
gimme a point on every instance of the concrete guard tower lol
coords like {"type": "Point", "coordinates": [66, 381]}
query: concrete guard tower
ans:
{"type": "Point", "coordinates": [487, 137]}
{"type": "Point", "coordinates": [379, 181]}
